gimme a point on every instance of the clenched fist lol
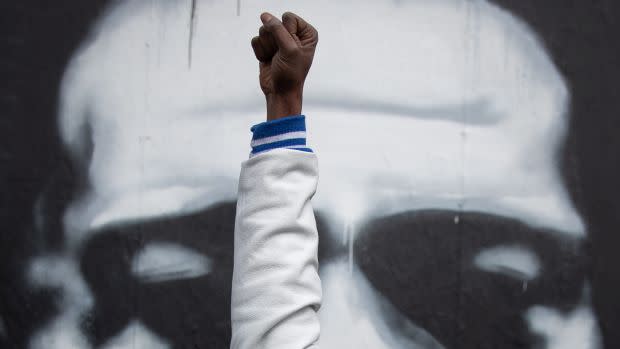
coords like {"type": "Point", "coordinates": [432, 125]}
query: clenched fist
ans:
{"type": "Point", "coordinates": [285, 50]}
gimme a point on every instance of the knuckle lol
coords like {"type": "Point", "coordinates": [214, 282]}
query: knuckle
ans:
{"type": "Point", "coordinates": [294, 51]}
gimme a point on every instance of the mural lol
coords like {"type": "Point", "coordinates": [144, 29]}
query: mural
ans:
{"type": "Point", "coordinates": [445, 218]}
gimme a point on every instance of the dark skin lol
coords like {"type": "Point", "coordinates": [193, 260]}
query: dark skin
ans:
{"type": "Point", "coordinates": [285, 50]}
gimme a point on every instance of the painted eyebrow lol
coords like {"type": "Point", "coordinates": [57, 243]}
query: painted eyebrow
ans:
{"type": "Point", "coordinates": [482, 112]}
{"type": "Point", "coordinates": [512, 260]}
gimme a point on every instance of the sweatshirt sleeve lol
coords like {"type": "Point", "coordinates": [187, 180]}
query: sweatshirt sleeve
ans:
{"type": "Point", "coordinates": [276, 290]}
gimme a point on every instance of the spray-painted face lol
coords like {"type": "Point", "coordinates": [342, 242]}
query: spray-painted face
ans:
{"type": "Point", "coordinates": [444, 222]}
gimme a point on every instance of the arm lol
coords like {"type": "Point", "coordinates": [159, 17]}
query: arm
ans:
{"type": "Point", "coordinates": [276, 290]}
{"type": "Point", "coordinates": [276, 287]}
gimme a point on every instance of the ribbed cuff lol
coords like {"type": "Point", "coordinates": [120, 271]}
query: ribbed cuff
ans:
{"type": "Point", "coordinates": [288, 132]}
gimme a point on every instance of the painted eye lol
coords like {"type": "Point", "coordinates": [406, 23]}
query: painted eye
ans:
{"type": "Point", "coordinates": [514, 261]}
{"type": "Point", "coordinates": [159, 262]}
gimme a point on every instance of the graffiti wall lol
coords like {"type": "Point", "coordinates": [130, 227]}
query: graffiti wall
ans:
{"type": "Point", "coordinates": [468, 171]}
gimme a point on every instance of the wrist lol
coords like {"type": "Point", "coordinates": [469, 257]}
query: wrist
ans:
{"type": "Point", "coordinates": [282, 105]}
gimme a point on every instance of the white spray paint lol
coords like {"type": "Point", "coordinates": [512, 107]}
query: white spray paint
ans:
{"type": "Point", "coordinates": [136, 336]}
{"type": "Point", "coordinates": [575, 330]}
{"type": "Point", "coordinates": [63, 331]}
{"type": "Point", "coordinates": [408, 113]}
{"type": "Point", "coordinates": [514, 261]}
{"type": "Point", "coordinates": [158, 262]}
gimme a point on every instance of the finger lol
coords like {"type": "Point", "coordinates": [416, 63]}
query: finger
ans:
{"type": "Point", "coordinates": [282, 37]}
{"type": "Point", "coordinates": [259, 50]}
{"type": "Point", "coordinates": [268, 42]}
{"type": "Point", "coordinates": [289, 20]}
{"type": "Point", "coordinates": [300, 28]}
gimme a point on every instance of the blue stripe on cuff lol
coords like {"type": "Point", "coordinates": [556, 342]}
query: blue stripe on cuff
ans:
{"type": "Point", "coordinates": [303, 149]}
{"type": "Point", "coordinates": [280, 127]}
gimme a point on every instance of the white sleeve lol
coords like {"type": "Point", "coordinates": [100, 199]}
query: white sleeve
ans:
{"type": "Point", "coordinates": [276, 290]}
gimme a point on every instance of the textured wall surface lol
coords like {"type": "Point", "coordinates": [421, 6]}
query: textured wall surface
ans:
{"type": "Point", "coordinates": [468, 171]}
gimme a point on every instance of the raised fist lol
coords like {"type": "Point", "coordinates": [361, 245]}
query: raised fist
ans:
{"type": "Point", "coordinates": [285, 50]}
